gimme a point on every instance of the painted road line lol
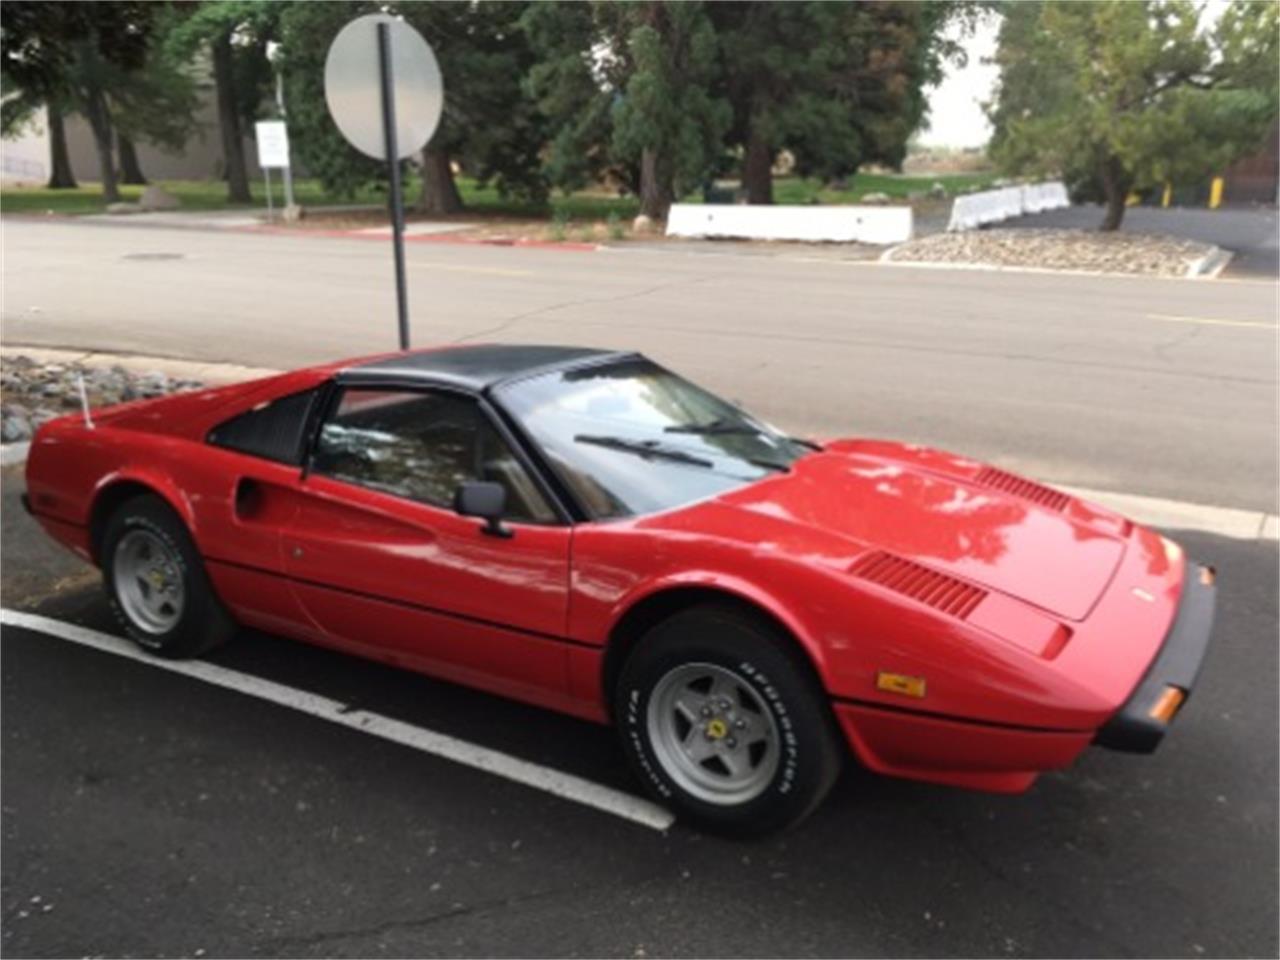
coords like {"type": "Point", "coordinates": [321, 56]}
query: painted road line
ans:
{"type": "Point", "coordinates": [1212, 321]}
{"type": "Point", "coordinates": [1178, 515]}
{"type": "Point", "coordinates": [547, 779]}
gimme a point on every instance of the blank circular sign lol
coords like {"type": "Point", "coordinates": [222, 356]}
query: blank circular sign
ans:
{"type": "Point", "coordinates": [353, 86]}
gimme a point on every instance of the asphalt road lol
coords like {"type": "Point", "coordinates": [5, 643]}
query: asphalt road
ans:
{"type": "Point", "coordinates": [1158, 387]}
{"type": "Point", "coordinates": [146, 813]}
{"type": "Point", "coordinates": [149, 814]}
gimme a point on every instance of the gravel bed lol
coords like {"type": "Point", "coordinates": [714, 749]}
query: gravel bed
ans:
{"type": "Point", "coordinates": [1133, 253]}
{"type": "Point", "coordinates": [33, 392]}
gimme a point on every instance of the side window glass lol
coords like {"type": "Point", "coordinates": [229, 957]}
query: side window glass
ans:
{"type": "Point", "coordinates": [422, 446]}
{"type": "Point", "coordinates": [274, 431]}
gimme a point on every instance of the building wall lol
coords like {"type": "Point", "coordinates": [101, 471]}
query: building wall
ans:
{"type": "Point", "coordinates": [25, 158]}
{"type": "Point", "coordinates": [200, 158]}
{"type": "Point", "coordinates": [1256, 178]}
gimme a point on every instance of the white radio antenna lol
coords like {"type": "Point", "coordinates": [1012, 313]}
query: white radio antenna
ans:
{"type": "Point", "coordinates": [84, 401]}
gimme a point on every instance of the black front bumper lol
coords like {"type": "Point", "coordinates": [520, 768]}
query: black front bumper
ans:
{"type": "Point", "coordinates": [1134, 728]}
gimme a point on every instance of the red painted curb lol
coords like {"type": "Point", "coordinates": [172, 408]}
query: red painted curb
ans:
{"type": "Point", "coordinates": [572, 247]}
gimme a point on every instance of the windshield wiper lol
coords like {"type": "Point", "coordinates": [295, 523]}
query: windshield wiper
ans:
{"type": "Point", "coordinates": [642, 448]}
{"type": "Point", "coordinates": [720, 425]}
{"type": "Point", "coordinates": [769, 465]}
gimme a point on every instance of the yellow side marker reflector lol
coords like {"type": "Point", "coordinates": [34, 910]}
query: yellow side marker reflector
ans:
{"type": "Point", "coordinates": [1208, 575]}
{"type": "Point", "coordinates": [900, 683]}
{"type": "Point", "coordinates": [1167, 705]}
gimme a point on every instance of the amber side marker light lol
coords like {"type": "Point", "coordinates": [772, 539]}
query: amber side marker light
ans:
{"type": "Point", "coordinates": [900, 683]}
{"type": "Point", "coordinates": [1208, 575]}
{"type": "Point", "coordinates": [1167, 705]}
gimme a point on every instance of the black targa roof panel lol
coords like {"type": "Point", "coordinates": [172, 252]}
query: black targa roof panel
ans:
{"type": "Point", "coordinates": [474, 368]}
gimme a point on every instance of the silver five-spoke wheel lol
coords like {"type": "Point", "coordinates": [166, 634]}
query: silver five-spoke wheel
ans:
{"type": "Point", "coordinates": [148, 581]}
{"type": "Point", "coordinates": [712, 734]}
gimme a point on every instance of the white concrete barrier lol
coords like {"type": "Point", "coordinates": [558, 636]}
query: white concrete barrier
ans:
{"type": "Point", "coordinates": [836, 224]}
{"type": "Point", "coordinates": [992, 206]}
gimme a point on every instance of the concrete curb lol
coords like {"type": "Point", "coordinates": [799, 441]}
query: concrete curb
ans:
{"type": "Point", "coordinates": [1210, 265]}
{"type": "Point", "coordinates": [212, 374]}
{"type": "Point", "coordinates": [12, 454]}
{"type": "Point", "coordinates": [1165, 514]}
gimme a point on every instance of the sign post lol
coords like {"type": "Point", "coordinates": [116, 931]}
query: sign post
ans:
{"type": "Point", "coordinates": [383, 88]}
{"type": "Point", "coordinates": [396, 198]}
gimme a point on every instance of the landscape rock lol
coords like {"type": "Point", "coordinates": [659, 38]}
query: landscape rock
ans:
{"type": "Point", "coordinates": [15, 425]}
{"type": "Point", "coordinates": [876, 197]}
{"type": "Point", "coordinates": [157, 198]}
{"type": "Point", "coordinates": [124, 207]}
{"type": "Point", "coordinates": [642, 224]}
{"type": "Point", "coordinates": [32, 393]}
{"type": "Point", "coordinates": [1092, 250]}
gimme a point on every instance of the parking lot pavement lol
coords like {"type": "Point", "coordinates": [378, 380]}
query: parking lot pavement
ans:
{"type": "Point", "coordinates": [146, 813]}
{"type": "Point", "coordinates": [1249, 232]}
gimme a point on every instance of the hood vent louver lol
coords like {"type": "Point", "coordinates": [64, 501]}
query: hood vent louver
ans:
{"type": "Point", "coordinates": [944, 593]}
{"type": "Point", "coordinates": [1024, 489]}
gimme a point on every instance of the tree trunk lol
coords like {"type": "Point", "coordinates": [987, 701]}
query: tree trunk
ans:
{"type": "Point", "coordinates": [130, 169]}
{"type": "Point", "coordinates": [439, 192]}
{"type": "Point", "coordinates": [656, 190]}
{"type": "Point", "coordinates": [757, 169]}
{"type": "Point", "coordinates": [99, 117]}
{"type": "Point", "coordinates": [61, 176]}
{"type": "Point", "coordinates": [1115, 187]}
{"type": "Point", "coordinates": [229, 122]}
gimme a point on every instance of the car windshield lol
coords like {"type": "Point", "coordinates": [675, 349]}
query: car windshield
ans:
{"type": "Point", "coordinates": [631, 438]}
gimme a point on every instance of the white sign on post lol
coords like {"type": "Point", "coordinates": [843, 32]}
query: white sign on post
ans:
{"type": "Point", "coordinates": [273, 143]}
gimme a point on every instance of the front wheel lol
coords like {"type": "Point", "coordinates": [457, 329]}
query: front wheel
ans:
{"type": "Point", "coordinates": [726, 723]}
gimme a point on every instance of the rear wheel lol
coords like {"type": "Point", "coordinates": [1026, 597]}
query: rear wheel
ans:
{"type": "Point", "coordinates": [156, 584]}
{"type": "Point", "coordinates": [724, 722]}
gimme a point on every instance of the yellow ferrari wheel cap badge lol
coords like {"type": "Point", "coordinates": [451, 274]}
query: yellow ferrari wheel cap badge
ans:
{"type": "Point", "coordinates": [717, 729]}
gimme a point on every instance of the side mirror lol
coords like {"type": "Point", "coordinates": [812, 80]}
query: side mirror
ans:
{"type": "Point", "coordinates": [488, 501]}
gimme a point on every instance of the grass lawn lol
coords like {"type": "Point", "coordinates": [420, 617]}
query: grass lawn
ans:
{"type": "Point", "coordinates": [194, 194]}
{"type": "Point", "coordinates": [797, 190]}
{"type": "Point", "coordinates": [480, 201]}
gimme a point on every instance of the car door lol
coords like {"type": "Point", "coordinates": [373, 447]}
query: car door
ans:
{"type": "Point", "coordinates": [382, 563]}
{"type": "Point", "coordinates": [244, 491]}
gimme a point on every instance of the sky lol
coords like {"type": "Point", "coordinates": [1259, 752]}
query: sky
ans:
{"type": "Point", "coordinates": [955, 105]}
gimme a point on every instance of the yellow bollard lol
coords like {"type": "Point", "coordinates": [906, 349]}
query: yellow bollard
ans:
{"type": "Point", "coordinates": [1168, 195]}
{"type": "Point", "coordinates": [1215, 193]}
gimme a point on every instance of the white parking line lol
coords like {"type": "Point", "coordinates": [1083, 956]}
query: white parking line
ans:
{"type": "Point", "coordinates": [565, 785]}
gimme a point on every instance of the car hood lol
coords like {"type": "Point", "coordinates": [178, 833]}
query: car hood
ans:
{"type": "Point", "coordinates": [956, 515]}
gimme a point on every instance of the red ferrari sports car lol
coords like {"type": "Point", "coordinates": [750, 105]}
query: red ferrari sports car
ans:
{"type": "Point", "coordinates": [587, 531]}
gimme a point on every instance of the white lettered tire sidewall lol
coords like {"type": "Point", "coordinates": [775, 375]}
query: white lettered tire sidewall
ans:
{"type": "Point", "coordinates": [204, 623]}
{"type": "Point", "coordinates": [810, 750]}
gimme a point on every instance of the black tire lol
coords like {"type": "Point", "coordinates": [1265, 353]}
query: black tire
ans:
{"type": "Point", "coordinates": [203, 622]}
{"type": "Point", "coordinates": [772, 669]}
